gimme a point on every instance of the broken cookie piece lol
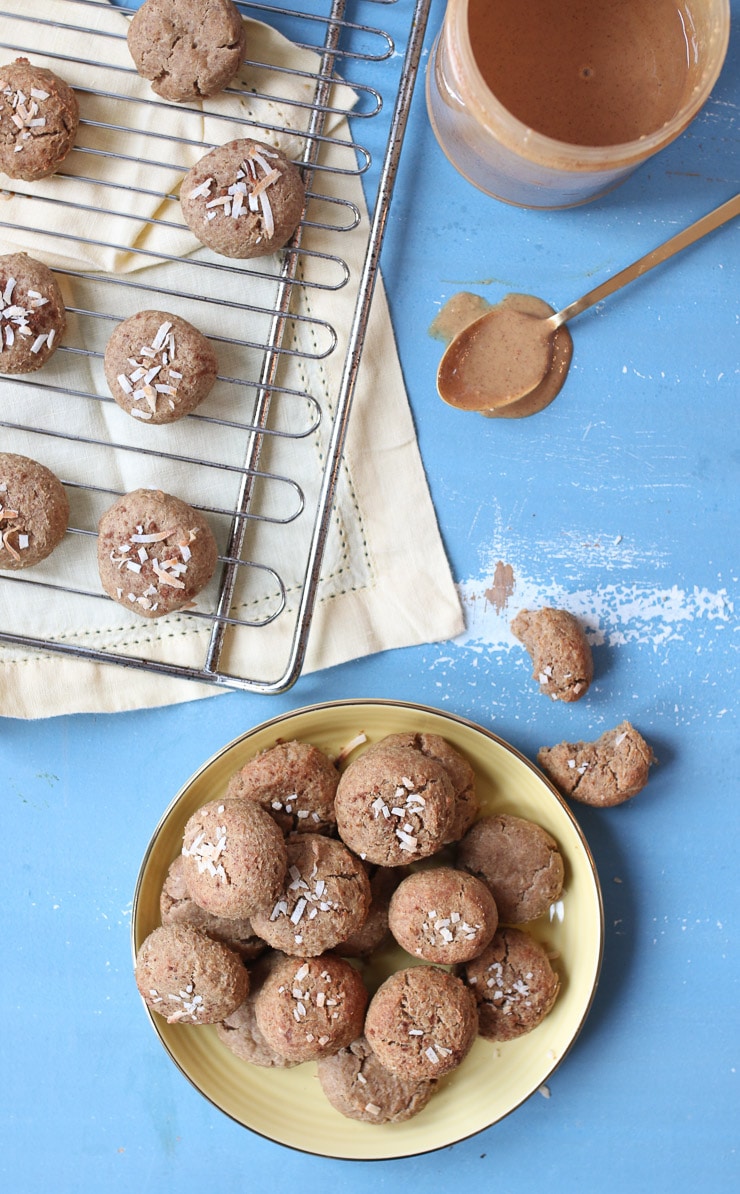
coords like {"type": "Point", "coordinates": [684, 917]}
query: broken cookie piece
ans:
{"type": "Point", "coordinates": [602, 773]}
{"type": "Point", "coordinates": [561, 655]}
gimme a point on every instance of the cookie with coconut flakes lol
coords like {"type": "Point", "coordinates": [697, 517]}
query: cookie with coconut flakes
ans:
{"type": "Point", "coordinates": [309, 1008]}
{"type": "Point", "coordinates": [325, 897]}
{"type": "Point", "coordinates": [158, 366]}
{"type": "Point", "coordinates": [188, 49]}
{"type": "Point", "coordinates": [457, 767]}
{"type": "Point", "coordinates": [32, 314]}
{"type": "Point", "coordinates": [294, 782]}
{"type": "Point", "coordinates": [422, 1022]}
{"type": "Point", "coordinates": [234, 859]}
{"type": "Point", "coordinates": [187, 977]}
{"type": "Point", "coordinates": [394, 806]}
{"type": "Point", "coordinates": [514, 985]}
{"type": "Point", "coordinates": [155, 553]}
{"type": "Point", "coordinates": [34, 511]}
{"type": "Point", "coordinates": [442, 915]}
{"type": "Point", "coordinates": [39, 117]}
{"type": "Point", "coordinates": [243, 199]}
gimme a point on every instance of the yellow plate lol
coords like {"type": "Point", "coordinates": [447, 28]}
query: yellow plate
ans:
{"type": "Point", "coordinates": [287, 1106]}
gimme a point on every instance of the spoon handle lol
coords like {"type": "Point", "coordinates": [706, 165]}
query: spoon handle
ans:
{"type": "Point", "coordinates": [713, 219]}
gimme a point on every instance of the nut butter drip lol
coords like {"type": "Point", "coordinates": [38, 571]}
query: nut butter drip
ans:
{"type": "Point", "coordinates": [586, 72]}
{"type": "Point", "coordinates": [496, 351]}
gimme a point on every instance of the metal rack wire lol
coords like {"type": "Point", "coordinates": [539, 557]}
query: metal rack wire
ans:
{"type": "Point", "coordinates": [259, 411]}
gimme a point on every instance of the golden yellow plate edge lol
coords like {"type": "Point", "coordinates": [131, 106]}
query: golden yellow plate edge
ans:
{"type": "Point", "coordinates": [364, 1141]}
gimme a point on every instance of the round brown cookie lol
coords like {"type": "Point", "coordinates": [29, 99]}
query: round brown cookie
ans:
{"type": "Point", "coordinates": [602, 773]}
{"type": "Point", "coordinates": [243, 199]}
{"type": "Point", "coordinates": [158, 366]}
{"type": "Point", "coordinates": [309, 1008]}
{"type": "Point", "coordinates": [39, 116]}
{"type": "Point", "coordinates": [155, 553]}
{"type": "Point", "coordinates": [372, 934]}
{"type": "Point", "coordinates": [442, 915]}
{"type": "Point", "coordinates": [188, 49]}
{"type": "Point", "coordinates": [293, 781]}
{"type": "Point", "coordinates": [561, 656]}
{"type": "Point", "coordinates": [241, 1034]}
{"type": "Point", "coordinates": [513, 983]}
{"type": "Point", "coordinates": [518, 860]}
{"type": "Point", "coordinates": [189, 978]}
{"type": "Point", "coordinates": [32, 314]}
{"type": "Point", "coordinates": [394, 806]}
{"type": "Point", "coordinates": [434, 746]}
{"type": "Point", "coordinates": [34, 511]}
{"type": "Point", "coordinates": [360, 1087]}
{"type": "Point", "coordinates": [177, 908]}
{"type": "Point", "coordinates": [234, 859]}
{"type": "Point", "coordinates": [421, 1022]}
{"type": "Point", "coordinates": [324, 898]}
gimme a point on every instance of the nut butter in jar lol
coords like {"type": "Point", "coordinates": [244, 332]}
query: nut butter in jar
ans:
{"type": "Point", "coordinates": [550, 104]}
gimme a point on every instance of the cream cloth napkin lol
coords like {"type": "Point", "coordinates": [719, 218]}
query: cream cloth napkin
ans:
{"type": "Point", "coordinates": [385, 580]}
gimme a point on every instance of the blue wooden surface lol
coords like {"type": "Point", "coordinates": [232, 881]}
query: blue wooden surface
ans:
{"type": "Point", "coordinates": [621, 501]}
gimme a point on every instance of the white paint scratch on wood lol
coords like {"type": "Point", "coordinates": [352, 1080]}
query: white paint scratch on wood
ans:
{"type": "Point", "coordinates": [614, 614]}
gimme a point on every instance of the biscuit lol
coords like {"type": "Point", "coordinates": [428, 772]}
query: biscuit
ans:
{"type": "Point", "coordinates": [518, 861]}
{"type": "Point", "coordinates": [32, 314]}
{"type": "Point", "coordinates": [602, 773]}
{"type": "Point", "coordinates": [325, 897]}
{"type": "Point", "coordinates": [178, 908]}
{"type": "Point", "coordinates": [421, 1022]}
{"type": "Point", "coordinates": [394, 806]}
{"type": "Point", "coordinates": [243, 199]}
{"type": "Point", "coordinates": [442, 915]}
{"type": "Point", "coordinates": [561, 656]}
{"type": "Point", "coordinates": [39, 117]}
{"type": "Point", "coordinates": [188, 49]}
{"type": "Point", "coordinates": [457, 767]}
{"type": "Point", "coordinates": [234, 859]}
{"type": "Point", "coordinates": [187, 977]}
{"type": "Point", "coordinates": [513, 983]}
{"type": "Point", "coordinates": [34, 512]}
{"type": "Point", "coordinates": [158, 366]}
{"type": "Point", "coordinates": [155, 553]}
{"type": "Point", "coordinates": [294, 782]}
{"type": "Point", "coordinates": [358, 1086]}
{"type": "Point", "coordinates": [309, 1008]}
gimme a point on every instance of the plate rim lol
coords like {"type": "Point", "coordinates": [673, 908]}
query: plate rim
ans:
{"type": "Point", "coordinates": [388, 703]}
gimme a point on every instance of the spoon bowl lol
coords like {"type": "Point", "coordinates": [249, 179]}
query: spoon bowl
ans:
{"type": "Point", "coordinates": [506, 354]}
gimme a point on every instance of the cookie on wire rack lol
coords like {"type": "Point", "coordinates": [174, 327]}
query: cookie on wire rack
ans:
{"type": "Point", "coordinates": [187, 49]}
{"type": "Point", "coordinates": [243, 199]}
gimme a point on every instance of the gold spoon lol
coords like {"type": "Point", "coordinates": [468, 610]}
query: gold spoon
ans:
{"type": "Point", "coordinates": [505, 354]}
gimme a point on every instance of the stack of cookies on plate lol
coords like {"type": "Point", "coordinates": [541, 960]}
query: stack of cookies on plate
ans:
{"type": "Point", "coordinates": [289, 888]}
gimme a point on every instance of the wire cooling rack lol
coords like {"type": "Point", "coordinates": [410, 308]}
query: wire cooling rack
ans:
{"type": "Point", "coordinates": [272, 414]}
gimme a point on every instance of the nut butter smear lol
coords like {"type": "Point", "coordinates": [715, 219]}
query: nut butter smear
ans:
{"type": "Point", "coordinates": [512, 360]}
